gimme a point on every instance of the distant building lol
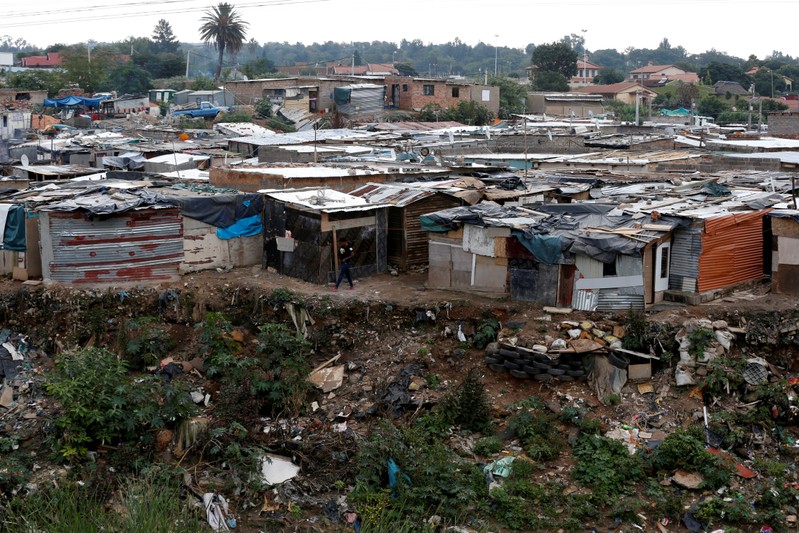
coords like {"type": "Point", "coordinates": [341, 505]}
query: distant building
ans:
{"type": "Point", "coordinates": [49, 60]}
{"type": "Point", "coordinates": [586, 72]}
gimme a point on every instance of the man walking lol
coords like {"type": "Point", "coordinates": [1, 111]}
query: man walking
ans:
{"type": "Point", "coordinates": [345, 256]}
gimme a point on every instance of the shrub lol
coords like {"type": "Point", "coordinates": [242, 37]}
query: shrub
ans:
{"type": "Point", "coordinates": [486, 333]}
{"type": "Point", "coordinates": [606, 466]}
{"type": "Point", "coordinates": [686, 449]}
{"type": "Point", "coordinates": [147, 343]}
{"type": "Point", "coordinates": [283, 365]}
{"type": "Point", "coordinates": [488, 446]}
{"type": "Point", "coordinates": [100, 405]}
{"type": "Point", "coordinates": [538, 433]}
{"type": "Point", "coordinates": [433, 479]}
{"type": "Point", "coordinates": [468, 405]}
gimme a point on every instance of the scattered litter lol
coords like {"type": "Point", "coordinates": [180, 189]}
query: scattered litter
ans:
{"type": "Point", "coordinates": [216, 507]}
{"type": "Point", "coordinates": [276, 469]}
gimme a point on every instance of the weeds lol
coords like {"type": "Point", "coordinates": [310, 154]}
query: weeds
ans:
{"type": "Point", "coordinates": [686, 449]}
{"type": "Point", "coordinates": [468, 405]}
{"type": "Point", "coordinates": [488, 446]}
{"type": "Point", "coordinates": [606, 466]}
{"type": "Point", "coordinates": [145, 342]}
{"type": "Point", "coordinates": [100, 405]}
{"type": "Point", "coordinates": [538, 433]}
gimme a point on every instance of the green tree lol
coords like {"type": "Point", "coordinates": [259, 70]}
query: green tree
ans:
{"type": "Point", "coordinates": [712, 106]}
{"type": "Point", "coordinates": [36, 80]}
{"type": "Point", "coordinates": [550, 81]}
{"type": "Point", "coordinates": [223, 27]}
{"type": "Point", "coordinates": [405, 69]}
{"type": "Point", "coordinates": [609, 76]}
{"type": "Point", "coordinates": [129, 78]}
{"type": "Point", "coordinates": [357, 59]}
{"type": "Point", "coordinates": [164, 37]}
{"type": "Point", "coordinates": [257, 68]}
{"type": "Point", "coordinates": [511, 95]}
{"type": "Point", "coordinates": [556, 57]}
{"type": "Point", "coordinates": [89, 75]}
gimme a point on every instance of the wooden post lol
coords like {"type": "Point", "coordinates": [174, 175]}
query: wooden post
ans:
{"type": "Point", "coordinates": [335, 250]}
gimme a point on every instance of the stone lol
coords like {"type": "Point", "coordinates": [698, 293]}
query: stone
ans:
{"type": "Point", "coordinates": [7, 397]}
{"type": "Point", "coordinates": [417, 383]}
{"type": "Point", "coordinates": [198, 364]}
{"type": "Point", "coordinates": [162, 439]}
{"type": "Point", "coordinates": [687, 480]}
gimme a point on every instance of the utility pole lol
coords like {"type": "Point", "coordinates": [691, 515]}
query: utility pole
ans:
{"type": "Point", "coordinates": [188, 59]}
{"type": "Point", "coordinates": [496, 54]}
{"type": "Point", "coordinates": [585, 59]}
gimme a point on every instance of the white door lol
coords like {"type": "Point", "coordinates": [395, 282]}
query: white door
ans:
{"type": "Point", "coordinates": [662, 260]}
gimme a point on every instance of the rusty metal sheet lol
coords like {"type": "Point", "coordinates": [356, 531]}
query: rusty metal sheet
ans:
{"type": "Point", "coordinates": [732, 250]}
{"type": "Point", "coordinates": [134, 246]}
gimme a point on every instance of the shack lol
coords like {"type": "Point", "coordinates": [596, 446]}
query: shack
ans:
{"type": "Point", "coordinates": [303, 228]}
{"type": "Point", "coordinates": [407, 245]}
{"type": "Point", "coordinates": [125, 231]}
{"type": "Point", "coordinates": [785, 251]}
{"type": "Point", "coordinates": [576, 255]}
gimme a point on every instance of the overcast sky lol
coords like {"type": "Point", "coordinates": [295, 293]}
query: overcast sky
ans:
{"type": "Point", "coordinates": [737, 27]}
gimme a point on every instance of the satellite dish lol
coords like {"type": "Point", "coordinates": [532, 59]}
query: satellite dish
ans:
{"type": "Point", "coordinates": [25, 161]}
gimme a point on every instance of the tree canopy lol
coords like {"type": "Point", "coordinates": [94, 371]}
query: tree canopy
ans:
{"type": "Point", "coordinates": [224, 28]}
{"type": "Point", "coordinates": [556, 57]}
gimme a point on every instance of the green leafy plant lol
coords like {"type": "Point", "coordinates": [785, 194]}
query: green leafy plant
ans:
{"type": "Point", "coordinates": [216, 345]}
{"type": "Point", "coordinates": [147, 341]}
{"type": "Point", "coordinates": [606, 466]}
{"type": "Point", "coordinates": [538, 433]}
{"type": "Point", "coordinates": [101, 405]}
{"type": "Point", "coordinates": [468, 404]}
{"type": "Point", "coordinates": [485, 333]}
{"type": "Point", "coordinates": [488, 446]}
{"type": "Point", "coordinates": [685, 448]}
{"type": "Point", "coordinates": [433, 478]}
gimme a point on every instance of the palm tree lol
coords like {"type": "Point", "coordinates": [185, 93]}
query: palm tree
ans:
{"type": "Point", "coordinates": [223, 27]}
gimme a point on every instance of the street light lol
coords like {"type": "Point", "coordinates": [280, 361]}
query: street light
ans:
{"type": "Point", "coordinates": [496, 54]}
{"type": "Point", "coordinates": [585, 58]}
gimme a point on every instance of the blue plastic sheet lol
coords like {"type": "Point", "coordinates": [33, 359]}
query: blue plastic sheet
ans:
{"type": "Point", "coordinates": [14, 235]}
{"type": "Point", "coordinates": [244, 227]}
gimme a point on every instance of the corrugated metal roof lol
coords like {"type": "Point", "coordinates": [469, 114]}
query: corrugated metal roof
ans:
{"type": "Point", "coordinates": [389, 194]}
{"type": "Point", "coordinates": [324, 200]}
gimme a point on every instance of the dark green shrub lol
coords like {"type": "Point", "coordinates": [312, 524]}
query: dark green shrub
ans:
{"type": "Point", "coordinates": [686, 449]}
{"type": "Point", "coordinates": [147, 341]}
{"type": "Point", "coordinates": [606, 466]}
{"type": "Point", "coordinates": [488, 446]}
{"type": "Point", "coordinates": [101, 405]}
{"type": "Point", "coordinates": [468, 404]}
{"type": "Point", "coordinates": [437, 479]}
{"type": "Point", "coordinates": [538, 433]}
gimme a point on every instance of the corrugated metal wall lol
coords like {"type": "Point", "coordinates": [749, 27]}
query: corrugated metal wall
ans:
{"type": "Point", "coordinates": [686, 247]}
{"type": "Point", "coordinates": [732, 250]}
{"type": "Point", "coordinates": [134, 246]}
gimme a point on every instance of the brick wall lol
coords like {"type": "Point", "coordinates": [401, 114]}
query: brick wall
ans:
{"type": "Point", "coordinates": [783, 123]}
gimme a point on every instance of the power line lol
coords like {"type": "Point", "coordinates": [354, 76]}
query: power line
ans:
{"type": "Point", "coordinates": [140, 13]}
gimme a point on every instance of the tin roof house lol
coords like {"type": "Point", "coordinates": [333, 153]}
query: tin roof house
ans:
{"type": "Point", "coordinates": [304, 227]}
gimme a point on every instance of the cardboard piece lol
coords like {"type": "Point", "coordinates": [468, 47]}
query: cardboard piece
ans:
{"type": "Point", "coordinates": [328, 379]}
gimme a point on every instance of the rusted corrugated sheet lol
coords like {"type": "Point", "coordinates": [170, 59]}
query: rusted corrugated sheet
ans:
{"type": "Point", "coordinates": [134, 246]}
{"type": "Point", "coordinates": [732, 250]}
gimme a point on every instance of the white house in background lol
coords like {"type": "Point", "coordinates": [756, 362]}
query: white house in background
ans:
{"type": "Point", "coordinates": [586, 72]}
{"type": "Point", "coordinates": [6, 60]}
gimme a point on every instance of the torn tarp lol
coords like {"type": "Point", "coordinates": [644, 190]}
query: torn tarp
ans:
{"type": "Point", "coordinates": [12, 218]}
{"type": "Point", "coordinates": [220, 210]}
{"type": "Point", "coordinates": [128, 161]}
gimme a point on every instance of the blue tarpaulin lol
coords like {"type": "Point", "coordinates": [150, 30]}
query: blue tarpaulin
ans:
{"type": "Point", "coordinates": [244, 227]}
{"type": "Point", "coordinates": [72, 101]}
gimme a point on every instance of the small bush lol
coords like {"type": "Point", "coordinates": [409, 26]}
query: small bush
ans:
{"type": "Point", "coordinates": [686, 449]}
{"type": "Point", "coordinates": [606, 466]}
{"type": "Point", "coordinates": [147, 341]}
{"type": "Point", "coordinates": [488, 446]}
{"type": "Point", "coordinates": [486, 333]}
{"type": "Point", "coordinates": [538, 433]}
{"type": "Point", "coordinates": [468, 405]}
{"type": "Point", "coordinates": [100, 405]}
